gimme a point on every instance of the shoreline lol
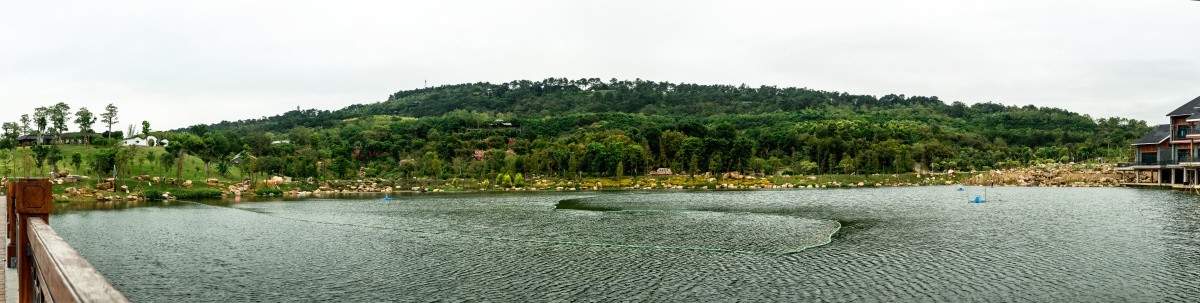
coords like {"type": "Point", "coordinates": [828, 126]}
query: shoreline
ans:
{"type": "Point", "coordinates": [1041, 175]}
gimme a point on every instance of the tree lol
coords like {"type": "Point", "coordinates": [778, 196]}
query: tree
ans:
{"type": "Point", "coordinates": [59, 115]}
{"type": "Point", "coordinates": [167, 160]}
{"type": "Point", "coordinates": [85, 120]}
{"type": "Point", "coordinates": [41, 118]}
{"type": "Point", "coordinates": [109, 117]}
{"type": "Point", "coordinates": [145, 128]}
{"type": "Point", "coordinates": [180, 147]}
{"type": "Point", "coordinates": [104, 161]}
{"type": "Point", "coordinates": [47, 153]}
{"type": "Point", "coordinates": [150, 157]}
{"type": "Point", "coordinates": [11, 133]}
{"type": "Point", "coordinates": [214, 148]}
{"type": "Point", "coordinates": [432, 166]}
{"type": "Point", "coordinates": [25, 129]}
{"type": "Point", "coordinates": [198, 129]}
{"type": "Point", "coordinates": [76, 160]}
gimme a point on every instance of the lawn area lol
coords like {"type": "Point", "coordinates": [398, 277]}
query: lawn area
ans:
{"type": "Point", "coordinates": [19, 163]}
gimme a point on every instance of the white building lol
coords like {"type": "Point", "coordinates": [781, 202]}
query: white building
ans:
{"type": "Point", "coordinates": [137, 141]}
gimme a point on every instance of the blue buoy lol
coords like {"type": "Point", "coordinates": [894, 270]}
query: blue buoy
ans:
{"type": "Point", "coordinates": [386, 198]}
{"type": "Point", "coordinates": [960, 188]}
{"type": "Point", "coordinates": [976, 200]}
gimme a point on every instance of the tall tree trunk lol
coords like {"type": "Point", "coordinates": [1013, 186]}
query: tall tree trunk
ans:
{"type": "Point", "coordinates": [179, 167]}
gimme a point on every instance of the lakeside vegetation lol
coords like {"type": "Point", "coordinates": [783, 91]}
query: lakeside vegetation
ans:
{"type": "Point", "coordinates": [577, 133]}
{"type": "Point", "coordinates": [591, 128]}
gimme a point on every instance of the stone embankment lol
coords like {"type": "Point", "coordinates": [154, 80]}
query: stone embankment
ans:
{"type": "Point", "coordinates": [1053, 175]}
{"type": "Point", "coordinates": [1041, 175]}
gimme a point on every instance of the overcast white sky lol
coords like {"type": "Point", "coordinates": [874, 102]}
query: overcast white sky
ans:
{"type": "Point", "coordinates": [178, 63]}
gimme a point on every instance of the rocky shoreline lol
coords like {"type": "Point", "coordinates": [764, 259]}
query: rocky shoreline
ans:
{"type": "Point", "coordinates": [1041, 175]}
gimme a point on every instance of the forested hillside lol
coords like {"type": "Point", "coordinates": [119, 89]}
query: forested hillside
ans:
{"type": "Point", "coordinates": [603, 128]}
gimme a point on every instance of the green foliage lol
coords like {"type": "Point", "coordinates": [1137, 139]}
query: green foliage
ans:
{"type": "Point", "coordinates": [76, 160]}
{"type": "Point", "coordinates": [507, 181]}
{"type": "Point", "coordinates": [85, 120]}
{"type": "Point", "coordinates": [109, 117]}
{"type": "Point", "coordinates": [196, 193]}
{"type": "Point", "coordinates": [593, 128]}
{"type": "Point", "coordinates": [152, 194]}
{"type": "Point", "coordinates": [59, 115]}
{"type": "Point", "coordinates": [105, 142]}
{"type": "Point", "coordinates": [104, 161]}
{"type": "Point", "coordinates": [46, 154]}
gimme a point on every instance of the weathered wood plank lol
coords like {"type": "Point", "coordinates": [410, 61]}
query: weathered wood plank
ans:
{"type": "Point", "coordinates": [11, 216]}
{"type": "Point", "coordinates": [68, 277]}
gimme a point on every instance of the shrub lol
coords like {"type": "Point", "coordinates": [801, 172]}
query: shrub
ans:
{"type": "Point", "coordinates": [152, 194]}
{"type": "Point", "coordinates": [197, 193]}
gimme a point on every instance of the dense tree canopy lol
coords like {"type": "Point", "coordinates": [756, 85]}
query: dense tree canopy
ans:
{"type": "Point", "coordinates": [590, 127]}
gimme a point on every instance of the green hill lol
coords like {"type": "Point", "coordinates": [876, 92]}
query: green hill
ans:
{"type": "Point", "coordinates": [592, 128]}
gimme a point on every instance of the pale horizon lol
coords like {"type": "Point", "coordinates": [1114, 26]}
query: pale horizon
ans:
{"type": "Point", "coordinates": [179, 64]}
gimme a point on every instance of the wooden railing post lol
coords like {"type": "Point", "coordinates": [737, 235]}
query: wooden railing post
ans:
{"type": "Point", "coordinates": [32, 199]}
{"type": "Point", "coordinates": [10, 213]}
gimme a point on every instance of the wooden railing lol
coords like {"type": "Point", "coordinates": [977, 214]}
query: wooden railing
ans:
{"type": "Point", "coordinates": [48, 269]}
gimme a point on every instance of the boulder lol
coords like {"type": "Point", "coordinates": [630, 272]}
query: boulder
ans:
{"type": "Point", "coordinates": [104, 186]}
{"type": "Point", "coordinates": [171, 181]}
{"type": "Point", "coordinates": [155, 180]}
{"type": "Point", "coordinates": [125, 188]}
{"type": "Point", "coordinates": [212, 181]}
{"type": "Point", "coordinates": [187, 184]}
{"type": "Point", "coordinates": [71, 191]}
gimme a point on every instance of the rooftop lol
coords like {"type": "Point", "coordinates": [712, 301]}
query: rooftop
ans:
{"type": "Point", "coordinates": [1186, 109]}
{"type": "Point", "coordinates": [1160, 133]}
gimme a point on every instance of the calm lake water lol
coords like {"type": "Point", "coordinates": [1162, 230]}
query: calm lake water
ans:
{"type": "Point", "coordinates": [884, 245]}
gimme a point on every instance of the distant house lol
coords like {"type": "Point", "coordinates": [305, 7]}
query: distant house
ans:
{"type": "Point", "coordinates": [237, 159]}
{"type": "Point", "coordinates": [499, 124]}
{"type": "Point", "coordinates": [281, 142]}
{"type": "Point", "coordinates": [67, 138]}
{"type": "Point", "coordinates": [33, 140]}
{"type": "Point", "coordinates": [661, 172]}
{"type": "Point", "coordinates": [76, 138]}
{"type": "Point", "coordinates": [139, 141]}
